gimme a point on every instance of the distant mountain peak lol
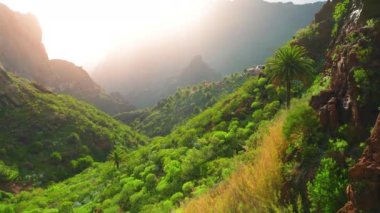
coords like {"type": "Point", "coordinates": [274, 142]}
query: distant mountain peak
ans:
{"type": "Point", "coordinates": [197, 71]}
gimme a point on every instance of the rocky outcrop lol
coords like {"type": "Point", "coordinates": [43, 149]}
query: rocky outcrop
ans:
{"type": "Point", "coordinates": [348, 101]}
{"type": "Point", "coordinates": [22, 52]}
{"type": "Point", "coordinates": [321, 26]}
{"type": "Point", "coordinates": [21, 49]}
{"type": "Point", "coordinates": [352, 62]}
{"type": "Point", "coordinates": [364, 191]}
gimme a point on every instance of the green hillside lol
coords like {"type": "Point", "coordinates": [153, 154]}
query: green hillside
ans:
{"type": "Point", "coordinates": [184, 104]}
{"type": "Point", "coordinates": [48, 137]}
{"type": "Point", "coordinates": [195, 156]}
{"type": "Point", "coordinates": [304, 136]}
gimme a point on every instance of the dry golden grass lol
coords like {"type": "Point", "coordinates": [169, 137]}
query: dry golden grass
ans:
{"type": "Point", "coordinates": [255, 186]}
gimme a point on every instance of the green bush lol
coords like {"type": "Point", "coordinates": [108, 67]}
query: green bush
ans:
{"type": "Point", "coordinates": [176, 197]}
{"type": "Point", "coordinates": [327, 191]}
{"type": "Point", "coordinates": [338, 145]}
{"type": "Point", "coordinates": [7, 173]}
{"type": "Point", "coordinates": [56, 157]}
{"type": "Point", "coordinates": [74, 138]}
{"type": "Point", "coordinates": [66, 207]}
{"type": "Point", "coordinates": [188, 187]}
{"type": "Point", "coordinates": [82, 163]}
{"type": "Point", "coordinates": [340, 10]}
{"type": "Point", "coordinates": [4, 208]}
{"type": "Point", "coordinates": [301, 124]}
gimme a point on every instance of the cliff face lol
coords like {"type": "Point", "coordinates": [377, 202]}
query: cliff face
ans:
{"type": "Point", "coordinates": [353, 62]}
{"type": "Point", "coordinates": [364, 191]}
{"type": "Point", "coordinates": [22, 52]}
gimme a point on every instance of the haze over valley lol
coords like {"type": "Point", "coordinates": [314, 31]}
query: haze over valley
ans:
{"type": "Point", "coordinates": [193, 106]}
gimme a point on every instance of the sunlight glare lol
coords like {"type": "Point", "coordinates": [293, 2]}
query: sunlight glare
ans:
{"type": "Point", "coordinates": [84, 31]}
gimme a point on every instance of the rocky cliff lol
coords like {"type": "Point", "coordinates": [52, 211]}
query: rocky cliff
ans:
{"type": "Point", "coordinates": [353, 63]}
{"type": "Point", "coordinates": [21, 49]}
{"type": "Point", "coordinates": [22, 52]}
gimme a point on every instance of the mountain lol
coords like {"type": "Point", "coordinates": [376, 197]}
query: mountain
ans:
{"type": "Point", "coordinates": [233, 36]}
{"type": "Point", "coordinates": [22, 52]}
{"type": "Point", "coordinates": [75, 81]}
{"type": "Point", "coordinates": [186, 102]}
{"type": "Point", "coordinates": [21, 49]}
{"type": "Point", "coordinates": [250, 151]}
{"type": "Point", "coordinates": [197, 71]}
{"type": "Point", "coordinates": [47, 137]}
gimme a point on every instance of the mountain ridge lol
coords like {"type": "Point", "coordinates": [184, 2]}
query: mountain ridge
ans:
{"type": "Point", "coordinates": [23, 53]}
{"type": "Point", "coordinates": [235, 35]}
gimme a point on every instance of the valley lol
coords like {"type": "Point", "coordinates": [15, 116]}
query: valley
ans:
{"type": "Point", "coordinates": [298, 133]}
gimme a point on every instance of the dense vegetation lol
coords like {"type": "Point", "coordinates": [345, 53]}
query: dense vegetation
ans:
{"type": "Point", "coordinates": [195, 156]}
{"type": "Point", "coordinates": [184, 104]}
{"type": "Point", "coordinates": [244, 153]}
{"type": "Point", "coordinates": [257, 184]}
{"type": "Point", "coordinates": [47, 137]}
{"type": "Point", "coordinates": [314, 165]}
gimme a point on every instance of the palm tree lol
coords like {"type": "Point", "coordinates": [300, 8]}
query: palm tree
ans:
{"type": "Point", "coordinates": [289, 63]}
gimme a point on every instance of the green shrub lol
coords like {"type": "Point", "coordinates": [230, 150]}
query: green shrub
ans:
{"type": "Point", "coordinates": [56, 157]}
{"type": "Point", "coordinates": [364, 54]}
{"type": "Point", "coordinates": [338, 145]}
{"type": "Point", "coordinates": [327, 191]}
{"type": "Point", "coordinates": [371, 23]}
{"type": "Point", "coordinates": [7, 173]}
{"type": "Point", "coordinates": [176, 197]}
{"type": "Point", "coordinates": [66, 207]}
{"type": "Point", "coordinates": [188, 187]}
{"type": "Point", "coordinates": [301, 124]}
{"type": "Point", "coordinates": [256, 104]}
{"type": "Point", "coordinates": [307, 33]}
{"type": "Point", "coordinates": [340, 10]}
{"type": "Point", "coordinates": [74, 138]}
{"type": "Point", "coordinates": [82, 163]}
{"type": "Point", "coordinates": [151, 180]}
{"type": "Point", "coordinates": [5, 208]}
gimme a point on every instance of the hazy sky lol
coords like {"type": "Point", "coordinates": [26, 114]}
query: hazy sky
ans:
{"type": "Point", "coordinates": [296, 1]}
{"type": "Point", "coordinates": [83, 31]}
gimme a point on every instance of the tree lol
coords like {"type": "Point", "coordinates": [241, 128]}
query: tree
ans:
{"type": "Point", "coordinates": [288, 64]}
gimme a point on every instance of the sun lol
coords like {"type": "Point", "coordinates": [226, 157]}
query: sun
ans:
{"type": "Point", "coordinates": [83, 31]}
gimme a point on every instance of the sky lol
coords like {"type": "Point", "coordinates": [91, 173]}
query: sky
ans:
{"type": "Point", "coordinates": [84, 31]}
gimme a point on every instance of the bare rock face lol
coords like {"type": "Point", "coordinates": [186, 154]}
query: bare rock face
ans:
{"type": "Point", "coordinates": [364, 191]}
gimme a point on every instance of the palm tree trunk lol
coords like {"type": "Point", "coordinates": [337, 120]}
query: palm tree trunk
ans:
{"type": "Point", "coordinates": [288, 94]}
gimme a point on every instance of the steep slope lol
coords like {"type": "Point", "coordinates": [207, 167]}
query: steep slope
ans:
{"type": "Point", "coordinates": [322, 148]}
{"type": "Point", "coordinates": [194, 157]}
{"type": "Point", "coordinates": [21, 49]}
{"type": "Point", "coordinates": [47, 137]}
{"type": "Point", "coordinates": [231, 37]}
{"type": "Point", "coordinates": [22, 52]}
{"type": "Point", "coordinates": [75, 81]}
{"type": "Point", "coordinates": [178, 108]}
{"type": "Point", "coordinates": [353, 63]}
